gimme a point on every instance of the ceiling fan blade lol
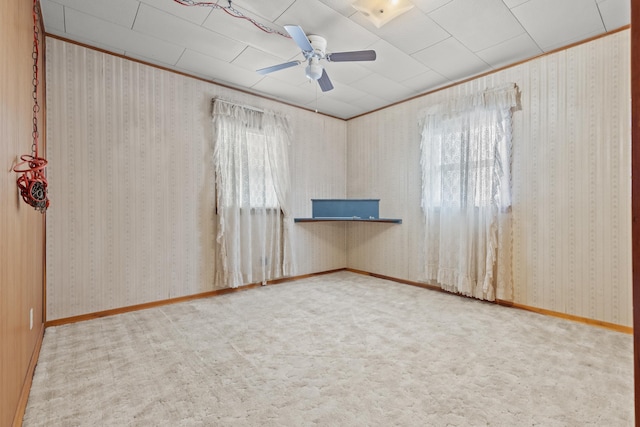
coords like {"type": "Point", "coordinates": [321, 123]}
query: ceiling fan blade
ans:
{"type": "Point", "coordinates": [273, 68]}
{"type": "Point", "coordinates": [298, 35]}
{"type": "Point", "coordinates": [356, 55]}
{"type": "Point", "coordinates": [324, 82]}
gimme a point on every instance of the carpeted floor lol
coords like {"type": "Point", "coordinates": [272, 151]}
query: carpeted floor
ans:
{"type": "Point", "coordinates": [334, 350]}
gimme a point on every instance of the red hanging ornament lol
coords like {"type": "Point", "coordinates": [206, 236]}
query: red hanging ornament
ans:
{"type": "Point", "coordinates": [32, 181]}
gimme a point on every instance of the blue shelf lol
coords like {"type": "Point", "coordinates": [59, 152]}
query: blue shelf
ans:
{"type": "Point", "coordinates": [345, 208]}
{"type": "Point", "coordinates": [334, 219]}
{"type": "Point", "coordinates": [353, 210]}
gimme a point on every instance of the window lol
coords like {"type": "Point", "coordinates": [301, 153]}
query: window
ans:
{"type": "Point", "coordinates": [260, 190]}
{"type": "Point", "coordinates": [466, 194]}
{"type": "Point", "coordinates": [253, 185]}
{"type": "Point", "coordinates": [466, 167]}
{"type": "Point", "coordinates": [254, 178]}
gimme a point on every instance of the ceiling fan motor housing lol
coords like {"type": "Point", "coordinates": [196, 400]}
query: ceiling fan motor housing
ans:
{"type": "Point", "coordinates": [314, 69]}
{"type": "Point", "coordinates": [313, 49]}
{"type": "Point", "coordinates": [319, 44]}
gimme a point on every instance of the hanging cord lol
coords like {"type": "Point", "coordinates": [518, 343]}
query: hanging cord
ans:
{"type": "Point", "coordinates": [314, 83]}
{"type": "Point", "coordinates": [32, 181]}
{"type": "Point", "coordinates": [230, 10]}
{"type": "Point", "coordinates": [36, 106]}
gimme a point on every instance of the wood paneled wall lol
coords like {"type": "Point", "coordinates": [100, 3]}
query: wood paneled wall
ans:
{"type": "Point", "coordinates": [131, 174]}
{"type": "Point", "coordinates": [635, 195]}
{"type": "Point", "coordinates": [21, 227]}
{"type": "Point", "coordinates": [571, 181]}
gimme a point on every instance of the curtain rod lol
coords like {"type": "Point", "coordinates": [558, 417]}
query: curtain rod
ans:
{"type": "Point", "coordinates": [248, 107]}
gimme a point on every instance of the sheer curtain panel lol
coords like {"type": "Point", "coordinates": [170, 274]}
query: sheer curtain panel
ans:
{"type": "Point", "coordinates": [466, 193]}
{"type": "Point", "coordinates": [251, 163]}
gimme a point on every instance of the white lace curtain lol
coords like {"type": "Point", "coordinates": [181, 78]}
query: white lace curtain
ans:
{"type": "Point", "coordinates": [466, 193]}
{"type": "Point", "coordinates": [251, 163]}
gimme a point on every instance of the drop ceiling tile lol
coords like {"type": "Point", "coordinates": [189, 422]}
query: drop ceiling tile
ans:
{"type": "Point", "coordinates": [430, 5]}
{"type": "Point", "coordinates": [242, 30]}
{"type": "Point", "coordinates": [426, 81]}
{"type": "Point", "coordinates": [98, 32]}
{"type": "Point", "coordinates": [452, 60]}
{"type": "Point", "coordinates": [383, 87]}
{"type": "Point", "coordinates": [121, 12]}
{"type": "Point", "coordinates": [548, 24]}
{"type": "Point", "coordinates": [511, 51]}
{"type": "Point", "coordinates": [195, 14]}
{"type": "Point", "coordinates": [253, 59]}
{"type": "Point", "coordinates": [410, 32]}
{"type": "Point", "coordinates": [342, 7]}
{"type": "Point", "coordinates": [156, 23]}
{"type": "Point", "coordinates": [312, 88]}
{"type": "Point", "coordinates": [393, 63]}
{"type": "Point", "coordinates": [615, 13]}
{"type": "Point", "coordinates": [345, 93]}
{"type": "Point", "coordinates": [478, 24]}
{"type": "Point", "coordinates": [53, 16]}
{"type": "Point", "coordinates": [342, 34]}
{"type": "Point", "coordinates": [370, 102]}
{"type": "Point", "coordinates": [217, 69]}
{"type": "Point", "coordinates": [513, 3]}
{"type": "Point", "coordinates": [270, 10]}
{"type": "Point", "coordinates": [334, 107]}
{"type": "Point", "coordinates": [346, 72]}
{"type": "Point", "coordinates": [284, 91]}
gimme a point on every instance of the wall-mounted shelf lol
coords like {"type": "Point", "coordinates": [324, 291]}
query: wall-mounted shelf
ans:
{"type": "Point", "coordinates": [387, 220]}
{"type": "Point", "coordinates": [355, 210]}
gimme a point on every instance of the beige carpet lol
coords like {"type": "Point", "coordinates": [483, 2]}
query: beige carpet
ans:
{"type": "Point", "coordinates": [335, 350]}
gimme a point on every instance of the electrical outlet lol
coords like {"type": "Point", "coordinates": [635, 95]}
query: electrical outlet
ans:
{"type": "Point", "coordinates": [31, 319]}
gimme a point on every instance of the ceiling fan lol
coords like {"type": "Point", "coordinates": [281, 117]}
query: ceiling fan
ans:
{"type": "Point", "coordinates": [313, 48]}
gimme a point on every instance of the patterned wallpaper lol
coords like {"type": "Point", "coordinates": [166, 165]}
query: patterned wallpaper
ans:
{"type": "Point", "coordinates": [571, 181]}
{"type": "Point", "coordinates": [131, 183]}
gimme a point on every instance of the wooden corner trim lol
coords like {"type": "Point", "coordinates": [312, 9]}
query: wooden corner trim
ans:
{"type": "Point", "coordinates": [504, 303]}
{"type": "Point", "coordinates": [579, 319]}
{"type": "Point", "coordinates": [144, 306]}
{"type": "Point", "coordinates": [26, 386]}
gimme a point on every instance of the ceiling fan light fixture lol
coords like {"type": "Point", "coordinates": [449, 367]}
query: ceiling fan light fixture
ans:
{"type": "Point", "coordinates": [313, 49]}
{"type": "Point", "coordinates": [313, 70]}
{"type": "Point", "coordinates": [379, 12]}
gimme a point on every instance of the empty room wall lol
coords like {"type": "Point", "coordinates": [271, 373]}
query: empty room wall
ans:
{"type": "Point", "coordinates": [571, 182]}
{"type": "Point", "coordinates": [132, 221]}
{"type": "Point", "coordinates": [21, 226]}
{"type": "Point", "coordinates": [132, 213]}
